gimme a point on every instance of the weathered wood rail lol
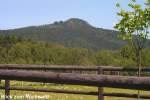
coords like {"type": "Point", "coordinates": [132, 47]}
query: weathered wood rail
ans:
{"type": "Point", "coordinates": [142, 83]}
{"type": "Point", "coordinates": [68, 68]}
{"type": "Point", "coordinates": [124, 82]}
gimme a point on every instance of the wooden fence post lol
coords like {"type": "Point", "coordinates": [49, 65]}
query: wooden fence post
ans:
{"type": "Point", "coordinates": [100, 89]}
{"type": "Point", "coordinates": [7, 91]}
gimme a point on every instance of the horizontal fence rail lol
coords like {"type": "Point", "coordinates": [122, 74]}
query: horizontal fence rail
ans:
{"type": "Point", "coordinates": [141, 83]}
{"type": "Point", "coordinates": [77, 92]}
{"type": "Point", "coordinates": [64, 68]}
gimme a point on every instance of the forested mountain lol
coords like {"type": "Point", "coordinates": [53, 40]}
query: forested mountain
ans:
{"type": "Point", "coordinates": [71, 33]}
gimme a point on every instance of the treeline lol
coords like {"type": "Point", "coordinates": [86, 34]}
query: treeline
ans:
{"type": "Point", "coordinates": [15, 50]}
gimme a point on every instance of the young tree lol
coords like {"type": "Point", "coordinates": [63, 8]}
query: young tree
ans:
{"type": "Point", "coordinates": [134, 26]}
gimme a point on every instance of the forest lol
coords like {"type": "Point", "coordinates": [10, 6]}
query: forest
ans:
{"type": "Point", "coordinates": [16, 50]}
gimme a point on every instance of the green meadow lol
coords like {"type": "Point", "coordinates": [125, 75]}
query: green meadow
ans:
{"type": "Point", "coordinates": [24, 95]}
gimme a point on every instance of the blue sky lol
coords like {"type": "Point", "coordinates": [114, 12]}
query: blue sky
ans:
{"type": "Point", "coordinates": [21, 13]}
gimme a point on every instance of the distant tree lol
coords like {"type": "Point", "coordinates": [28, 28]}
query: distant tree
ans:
{"type": "Point", "coordinates": [128, 52]}
{"type": "Point", "coordinates": [146, 57]}
{"type": "Point", "coordinates": [61, 22]}
{"type": "Point", "coordinates": [105, 58]}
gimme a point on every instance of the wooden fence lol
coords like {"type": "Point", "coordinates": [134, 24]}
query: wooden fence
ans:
{"type": "Point", "coordinates": [60, 68]}
{"type": "Point", "coordinates": [98, 70]}
{"type": "Point", "coordinates": [124, 82]}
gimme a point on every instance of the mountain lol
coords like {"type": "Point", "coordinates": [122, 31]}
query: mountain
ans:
{"type": "Point", "coordinates": [71, 33]}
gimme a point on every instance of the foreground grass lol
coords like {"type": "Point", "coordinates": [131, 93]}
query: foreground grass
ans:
{"type": "Point", "coordinates": [23, 95]}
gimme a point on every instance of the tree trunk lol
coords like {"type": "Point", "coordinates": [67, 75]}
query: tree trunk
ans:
{"type": "Point", "coordinates": [139, 61]}
{"type": "Point", "coordinates": [139, 65]}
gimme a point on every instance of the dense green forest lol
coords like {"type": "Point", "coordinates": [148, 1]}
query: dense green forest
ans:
{"type": "Point", "coordinates": [25, 51]}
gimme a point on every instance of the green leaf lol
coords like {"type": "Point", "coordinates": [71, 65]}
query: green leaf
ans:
{"type": "Point", "coordinates": [117, 5]}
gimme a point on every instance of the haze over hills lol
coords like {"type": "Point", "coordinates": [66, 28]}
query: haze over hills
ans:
{"type": "Point", "coordinates": [71, 33]}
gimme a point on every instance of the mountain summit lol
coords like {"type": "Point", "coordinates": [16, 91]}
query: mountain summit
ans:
{"type": "Point", "coordinates": [71, 33]}
{"type": "Point", "coordinates": [72, 23]}
{"type": "Point", "coordinates": [75, 22]}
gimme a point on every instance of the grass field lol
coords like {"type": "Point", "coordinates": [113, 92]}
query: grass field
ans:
{"type": "Point", "coordinates": [22, 95]}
